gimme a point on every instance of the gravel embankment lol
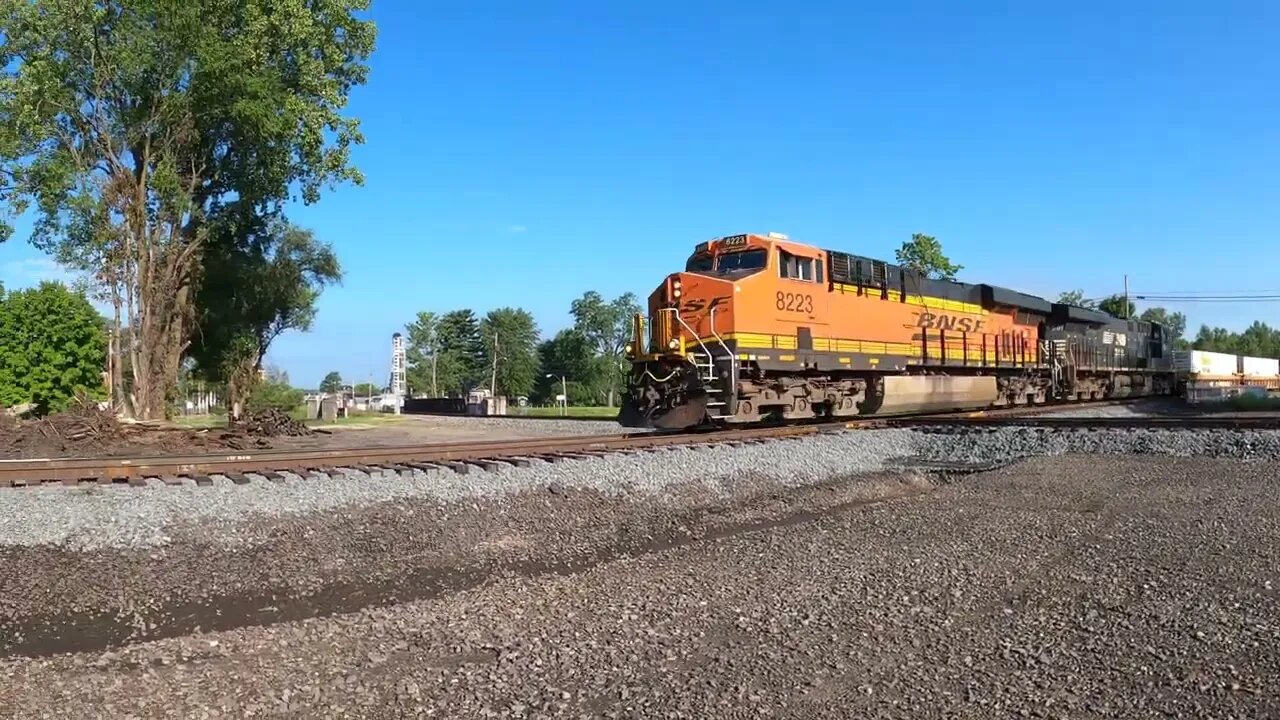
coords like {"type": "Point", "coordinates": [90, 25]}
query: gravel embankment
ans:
{"type": "Point", "coordinates": [123, 517]}
{"type": "Point", "coordinates": [1002, 444]}
{"type": "Point", "coordinates": [90, 518]}
{"type": "Point", "coordinates": [1057, 587]}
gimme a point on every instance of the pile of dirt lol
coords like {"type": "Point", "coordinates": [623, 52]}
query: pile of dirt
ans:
{"type": "Point", "coordinates": [272, 423]}
{"type": "Point", "coordinates": [85, 430]}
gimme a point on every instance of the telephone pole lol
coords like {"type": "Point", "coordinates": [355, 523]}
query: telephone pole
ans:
{"type": "Point", "coordinates": [1126, 296]}
{"type": "Point", "coordinates": [493, 377]}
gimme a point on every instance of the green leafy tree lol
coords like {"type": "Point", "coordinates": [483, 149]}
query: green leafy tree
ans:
{"type": "Point", "coordinates": [1076, 298]}
{"type": "Point", "coordinates": [510, 338]}
{"type": "Point", "coordinates": [923, 253]}
{"type": "Point", "coordinates": [129, 123]}
{"type": "Point", "coordinates": [607, 327]}
{"type": "Point", "coordinates": [568, 355]}
{"type": "Point", "coordinates": [332, 382]}
{"type": "Point", "coordinates": [1174, 324]}
{"type": "Point", "coordinates": [461, 351]}
{"type": "Point", "coordinates": [261, 280]}
{"type": "Point", "coordinates": [52, 346]}
{"type": "Point", "coordinates": [1117, 306]}
{"type": "Point", "coordinates": [365, 389]}
{"type": "Point", "coordinates": [421, 352]}
{"type": "Point", "coordinates": [273, 394]}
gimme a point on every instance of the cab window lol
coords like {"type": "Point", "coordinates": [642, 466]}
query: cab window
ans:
{"type": "Point", "coordinates": [699, 263]}
{"type": "Point", "coordinates": [745, 261]}
{"type": "Point", "coordinates": [795, 267]}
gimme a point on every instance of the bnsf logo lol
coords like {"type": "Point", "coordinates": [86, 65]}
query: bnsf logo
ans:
{"type": "Point", "coordinates": [931, 321]}
{"type": "Point", "coordinates": [694, 305]}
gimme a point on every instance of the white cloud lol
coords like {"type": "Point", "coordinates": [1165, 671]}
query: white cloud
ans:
{"type": "Point", "coordinates": [516, 228]}
{"type": "Point", "coordinates": [19, 274]}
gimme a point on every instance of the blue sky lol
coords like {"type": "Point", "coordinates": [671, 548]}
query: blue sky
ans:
{"type": "Point", "coordinates": [521, 153]}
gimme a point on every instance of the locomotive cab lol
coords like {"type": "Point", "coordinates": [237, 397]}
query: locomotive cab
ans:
{"type": "Point", "coordinates": [684, 357]}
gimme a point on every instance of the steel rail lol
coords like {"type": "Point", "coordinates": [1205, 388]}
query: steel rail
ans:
{"type": "Point", "coordinates": [452, 455]}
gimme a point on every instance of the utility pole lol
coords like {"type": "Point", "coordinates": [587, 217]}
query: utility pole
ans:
{"type": "Point", "coordinates": [493, 377]}
{"type": "Point", "coordinates": [1126, 296]}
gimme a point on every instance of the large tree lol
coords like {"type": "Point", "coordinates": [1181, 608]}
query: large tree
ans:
{"type": "Point", "coordinates": [52, 346]}
{"type": "Point", "coordinates": [607, 326]}
{"type": "Point", "coordinates": [461, 352]}
{"type": "Point", "coordinates": [1174, 324]}
{"type": "Point", "coordinates": [1076, 298]}
{"type": "Point", "coordinates": [422, 355]}
{"type": "Point", "coordinates": [1117, 306]}
{"type": "Point", "coordinates": [127, 124]}
{"type": "Point", "coordinates": [332, 382]}
{"type": "Point", "coordinates": [261, 281]}
{"type": "Point", "coordinates": [570, 357]}
{"type": "Point", "coordinates": [923, 253]}
{"type": "Point", "coordinates": [510, 356]}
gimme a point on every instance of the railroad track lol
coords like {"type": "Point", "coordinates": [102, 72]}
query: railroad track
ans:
{"type": "Point", "coordinates": [465, 457]}
{"type": "Point", "coordinates": [460, 457]}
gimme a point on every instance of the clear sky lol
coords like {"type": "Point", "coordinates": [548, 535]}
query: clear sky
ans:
{"type": "Point", "coordinates": [521, 153]}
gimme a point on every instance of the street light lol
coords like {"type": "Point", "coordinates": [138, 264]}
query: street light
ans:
{"type": "Point", "coordinates": [564, 393]}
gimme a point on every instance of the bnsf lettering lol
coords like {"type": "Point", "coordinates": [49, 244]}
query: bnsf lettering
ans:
{"type": "Point", "coordinates": [693, 305]}
{"type": "Point", "coordinates": [931, 321]}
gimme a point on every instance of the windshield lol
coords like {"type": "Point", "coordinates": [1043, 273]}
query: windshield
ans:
{"type": "Point", "coordinates": [699, 263]}
{"type": "Point", "coordinates": [739, 261]}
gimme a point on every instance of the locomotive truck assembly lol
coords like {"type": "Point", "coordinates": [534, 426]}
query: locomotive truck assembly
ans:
{"type": "Point", "coordinates": [758, 327]}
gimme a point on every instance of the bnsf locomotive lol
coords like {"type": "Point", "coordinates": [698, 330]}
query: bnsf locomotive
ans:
{"type": "Point", "coordinates": [761, 328]}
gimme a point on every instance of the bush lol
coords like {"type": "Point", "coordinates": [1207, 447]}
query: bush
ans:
{"type": "Point", "coordinates": [273, 395]}
{"type": "Point", "coordinates": [53, 346]}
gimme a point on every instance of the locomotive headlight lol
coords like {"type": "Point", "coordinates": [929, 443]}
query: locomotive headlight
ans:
{"type": "Point", "coordinates": [629, 348]}
{"type": "Point", "coordinates": [675, 343]}
{"type": "Point", "coordinates": [675, 293]}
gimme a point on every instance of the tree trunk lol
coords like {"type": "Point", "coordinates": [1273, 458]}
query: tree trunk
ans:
{"type": "Point", "coordinates": [164, 315]}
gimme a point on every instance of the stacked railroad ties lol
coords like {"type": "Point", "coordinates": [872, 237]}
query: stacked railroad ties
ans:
{"type": "Point", "coordinates": [1212, 375]}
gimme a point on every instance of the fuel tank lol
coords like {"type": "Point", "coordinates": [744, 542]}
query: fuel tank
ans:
{"type": "Point", "coordinates": [935, 393]}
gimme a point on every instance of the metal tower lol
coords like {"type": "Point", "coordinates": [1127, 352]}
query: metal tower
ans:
{"type": "Point", "coordinates": [397, 371]}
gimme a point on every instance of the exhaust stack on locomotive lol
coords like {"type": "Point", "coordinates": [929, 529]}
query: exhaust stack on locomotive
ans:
{"type": "Point", "coordinates": [759, 327]}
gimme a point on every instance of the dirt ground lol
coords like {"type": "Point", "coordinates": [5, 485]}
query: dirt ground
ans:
{"type": "Point", "coordinates": [420, 429]}
{"type": "Point", "coordinates": [1069, 587]}
{"type": "Point", "coordinates": [87, 432]}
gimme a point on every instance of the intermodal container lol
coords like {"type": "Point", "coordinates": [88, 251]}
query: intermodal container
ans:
{"type": "Point", "coordinates": [1210, 364]}
{"type": "Point", "coordinates": [1259, 367]}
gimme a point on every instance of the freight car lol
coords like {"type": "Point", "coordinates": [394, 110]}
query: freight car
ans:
{"type": "Point", "coordinates": [758, 327]}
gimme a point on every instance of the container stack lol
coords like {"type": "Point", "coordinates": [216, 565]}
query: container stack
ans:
{"type": "Point", "coordinates": [1212, 375]}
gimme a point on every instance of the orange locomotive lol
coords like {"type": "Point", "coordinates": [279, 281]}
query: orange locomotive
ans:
{"type": "Point", "coordinates": [760, 327]}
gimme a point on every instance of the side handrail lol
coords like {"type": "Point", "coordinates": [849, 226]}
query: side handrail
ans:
{"type": "Point", "coordinates": [685, 325]}
{"type": "Point", "coordinates": [733, 369]}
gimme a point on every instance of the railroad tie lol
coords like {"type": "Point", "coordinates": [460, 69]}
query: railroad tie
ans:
{"type": "Point", "coordinates": [171, 481]}
{"type": "Point", "coordinates": [202, 480]}
{"type": "Point", "coordinates": [272, 475]}
{"type": "Point", "coordinates": [237, 478]}
{"type": "Point", "coordinates": [425, 467]}
{"type": "Point", "coordinates": [136, 481]}
{"type": "Point", "coordinates": [460, 468]}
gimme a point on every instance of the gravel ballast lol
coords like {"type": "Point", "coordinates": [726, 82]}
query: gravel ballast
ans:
{"type": "Point", "coordinates": [91, 518]}
{"type": "Point", "coordinates": [1072, 586]}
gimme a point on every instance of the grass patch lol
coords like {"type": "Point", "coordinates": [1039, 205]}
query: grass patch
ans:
{"type": "Point", "coordinates": [359, 419]}
{"type": "Point", "coordinates": [604, 413]}
{"type": "Point", "coordinates": [200, 422]}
